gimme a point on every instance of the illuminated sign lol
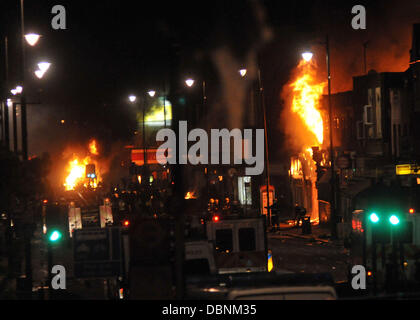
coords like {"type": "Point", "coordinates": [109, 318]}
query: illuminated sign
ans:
{"type": "Point", "coordinates": [406, 169]}
{"type": "Point", "coordinates": [137, 156]}
{"type": "Point", "coordinates": [159, 113]}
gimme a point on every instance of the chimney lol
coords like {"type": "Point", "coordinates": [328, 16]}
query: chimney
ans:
{"type": "Point", "coordinates": [415, 48]}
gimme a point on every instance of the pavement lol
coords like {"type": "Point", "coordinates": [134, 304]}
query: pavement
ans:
{"type": "Point", "coordinates": [308, 253]}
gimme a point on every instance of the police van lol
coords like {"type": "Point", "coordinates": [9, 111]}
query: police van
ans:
{"type": "Point", "coordinates": [240, 244]}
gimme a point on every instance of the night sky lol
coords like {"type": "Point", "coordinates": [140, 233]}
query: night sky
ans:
{"type": "Point", "coordinates": [113, 48]}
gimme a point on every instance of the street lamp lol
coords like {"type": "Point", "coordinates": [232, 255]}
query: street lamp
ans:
{"type": "Point", "coordinates": [307, 56]}
{"type": "Point", "coordinates": [44, 66]}
{"type": "Point", "coordinates": [133, 99]}
{"type": "Point", "coordinates": [32, 38]}
{"type": "Point", "coordinates": [189, 82]}
{"type": "Point", "coordinates": [242, 72]}
{"type": "Point", "coordinates": [151, 93]}
{"type": "Point", "coordinates": [17, 90]}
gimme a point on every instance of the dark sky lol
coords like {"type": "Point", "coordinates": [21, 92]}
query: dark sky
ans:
{"type": "Point", "coordinates": [113, 48]}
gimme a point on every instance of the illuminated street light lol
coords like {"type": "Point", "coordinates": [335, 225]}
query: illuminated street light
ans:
{"type": "Point", "coordinates": [17, 90]}
{"type": "Point", "coordinates": [132, 98]}
{"type": "Point", "coordinates": [151, 93]}
{"type": "Point", "coordinates": [32, 38]}
{"type": "Point", "coordinates": [307, 56]}
{"type": "Point", "coordinates": [44, 66]}
{"type": "Point", "coordinates": [242, 72]}
{"type": "Point", "coordinates": [39, 74]}
{"type": "Point", "coordinates": [189, 82]}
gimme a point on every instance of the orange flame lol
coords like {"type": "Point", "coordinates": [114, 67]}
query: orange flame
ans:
{"type": "Point", "coordinates": [93, 148]}
{"type": "Point", "coordinates": [76, 170]}
{"type": "Point", "coordinates": [306, 95]}
{"type": "Point", "coordinates": [190, 195]}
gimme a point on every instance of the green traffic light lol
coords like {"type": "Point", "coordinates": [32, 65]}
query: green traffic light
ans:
{"type": "Point", "coordinates": [394, 220]}
{"type": "Point", "coordinates": [55, 236]}
{"type": "Point", "coordinates": [374, 218]}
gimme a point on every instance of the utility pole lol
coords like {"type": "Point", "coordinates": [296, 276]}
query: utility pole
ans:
{"type": "Point", "coordinates": [15, 135]}
{"type": "Point", "coordinates": [5, 114]}
{"type": "Point", "coordinates": [23, 94]}
{"type": "Point", "coordinates": [267, 163]}
{"type": "Point", "coordinates": [333, 217]}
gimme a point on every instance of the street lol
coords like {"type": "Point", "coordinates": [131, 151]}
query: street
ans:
{"type": "Point", "coordinates": [294, 253]}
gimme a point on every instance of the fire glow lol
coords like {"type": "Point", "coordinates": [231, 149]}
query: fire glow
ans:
{"type": "Point", "coordinates": [76, 170]}
{"type": "Point", "coordinates": [93, 148]}
{"type": "Point", "coordinates": [190, 195]}
{"type": "Point", "coordinates": [306, 95]}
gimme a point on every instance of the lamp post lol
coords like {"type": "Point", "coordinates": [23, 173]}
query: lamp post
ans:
{"type": "Point", "coordinates": [31, 39]}
{"type": "Point", "coordinates": [267, 163]}
{"type": "Point", "coordinates": [5, 93]}
{"type": "Point", "coordinates": [307, 56]}
{"type": "Point", "coordinates": [22, 78]}
{"type": "Point", "coordinates": [133, 99]}
{"type": "Point", "coordinates": [190, 82]}
{"type": "Point", "coordinates": [152, 93]}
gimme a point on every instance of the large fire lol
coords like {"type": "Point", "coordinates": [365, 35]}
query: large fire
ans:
{"type": "Point", "coordinates": [76, 169]}
{"type": "Point", "coordinates": [306, 96]}
{"type": "Point", "coordinates": [305, 103]}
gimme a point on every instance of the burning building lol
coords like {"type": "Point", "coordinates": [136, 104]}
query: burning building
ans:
{"type": "Point", "coordinates": [374, 129]}
{"type": "Point", "coordinates": [305, 127]}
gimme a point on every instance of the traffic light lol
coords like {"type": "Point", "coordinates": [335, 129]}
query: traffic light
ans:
{"type": "Point", "coordinates": [374, 217]}
{"type": "Point", "coordinates": [394, 220]}
{"type": "Point", "coordinates": [216, 218]}
{"type": "Point", "coordinates": [126, 223]}
{"type": "Point", "coordinates": [380, 227]}
{"type": "Point", "coordinates": [385, 226]}
{"type": "Point", "coordinates": [54, 235]}
{"type": "Point", "coordinates": [56, 223]}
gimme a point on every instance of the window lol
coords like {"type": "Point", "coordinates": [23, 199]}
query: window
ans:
{"type": "Point", "coordinates": [224, 240]}
{"type": "Point", "coordinates": [246, 239]}
{"type": "Point", "coordinates": [368, 114]}
{"type": "Point", "coordinates": [336, 123]}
